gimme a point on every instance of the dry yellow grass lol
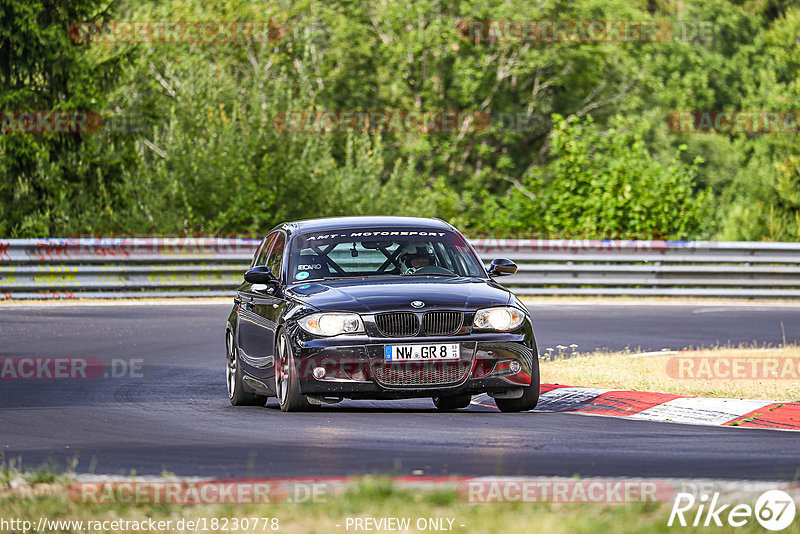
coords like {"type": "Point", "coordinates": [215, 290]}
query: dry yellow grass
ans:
{"type": "Point", "coordinates": [723, 372]}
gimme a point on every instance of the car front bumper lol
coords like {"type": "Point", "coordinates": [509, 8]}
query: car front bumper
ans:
{"type": "Point", "coordinates": [354, 366]}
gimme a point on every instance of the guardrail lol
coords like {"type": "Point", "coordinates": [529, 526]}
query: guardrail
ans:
{"type": "Point", "coordinates": [200, 267]}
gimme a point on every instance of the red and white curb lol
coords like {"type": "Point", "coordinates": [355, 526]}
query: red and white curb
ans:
{"type": "Point", "coordinates": [643, 405]}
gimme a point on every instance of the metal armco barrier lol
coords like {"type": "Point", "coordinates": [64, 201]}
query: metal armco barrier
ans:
{"type": "Point", "coordinates": [122, 268]}
{"type": "Point", "coordinates": [203, 267]}
{"type": "Point", "coordinates": [649, 268]}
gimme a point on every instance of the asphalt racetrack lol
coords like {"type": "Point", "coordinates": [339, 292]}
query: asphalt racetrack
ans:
{"type": "Point", "coordinates": [168, 411]}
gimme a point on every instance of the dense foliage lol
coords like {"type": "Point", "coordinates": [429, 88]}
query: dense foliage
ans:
{"type": "Point", "coordinates": [578, 143]}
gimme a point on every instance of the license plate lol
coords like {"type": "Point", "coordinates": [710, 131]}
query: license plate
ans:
{"type": "Point", "coordinates": [422, 353]}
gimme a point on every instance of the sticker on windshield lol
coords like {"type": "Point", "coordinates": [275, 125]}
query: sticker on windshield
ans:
{"type": "Point", "coordinates": [302, 275]}
{"type": "Point", "coordinates": [376, 233]}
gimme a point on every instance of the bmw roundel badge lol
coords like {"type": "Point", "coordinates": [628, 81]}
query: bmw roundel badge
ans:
{"type": "Point", "coordinates": [417, 303]}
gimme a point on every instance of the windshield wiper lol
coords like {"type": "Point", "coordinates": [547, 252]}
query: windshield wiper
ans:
{"type": "Point", "coordinates": [324, 279]}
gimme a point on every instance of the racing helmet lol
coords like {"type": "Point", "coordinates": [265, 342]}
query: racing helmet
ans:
{"type": "Point", "coordinates": [415, 251]}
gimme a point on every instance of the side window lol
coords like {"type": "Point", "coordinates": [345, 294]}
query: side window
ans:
{"type": "Point", "coordinates": [275, 258]}
{"type": "Point", "coordinates": [261, 255]}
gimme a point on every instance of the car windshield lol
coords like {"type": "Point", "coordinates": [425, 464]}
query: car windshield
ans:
{"type": "Point", "coordinates": [355, 253]}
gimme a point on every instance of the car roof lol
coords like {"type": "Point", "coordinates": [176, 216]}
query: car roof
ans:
{"type": "Point", "coordinates": [340, 223]}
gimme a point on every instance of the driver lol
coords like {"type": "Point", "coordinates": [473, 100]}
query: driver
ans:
{"type": "Point", "coordinates": [417, 259]}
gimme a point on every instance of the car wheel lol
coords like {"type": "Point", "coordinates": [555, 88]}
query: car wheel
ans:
{"type": "Point", "coordinates": [529, 399]}
{"type": "Point", "coordinates": [233, 375]}
{"type": "Point", "coordinates": [287, 383]}
{"type": "Point", "coordinates": [452, 403]}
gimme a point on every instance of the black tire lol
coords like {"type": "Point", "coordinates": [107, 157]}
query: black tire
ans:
{"type": "Point", "coordinates": [530, 397]}
{"type": "Point", "coordinates": [445, 404]}
{"type": "Point", "coordinates": [287, 383]}
{"type": "Point", "coordinates": [237, 392]}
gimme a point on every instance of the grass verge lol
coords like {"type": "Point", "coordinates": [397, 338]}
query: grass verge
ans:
{"type": "Point", "coordinates": [374, 497]}
{"type": "Point", "coordinates": [748, 373]}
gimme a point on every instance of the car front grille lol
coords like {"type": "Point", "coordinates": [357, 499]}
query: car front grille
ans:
{"type": "Point", "coordinates": [415, 374]}
{"type": "Point", "coordinates": [406, 324]}
{"type": "Point", "coordinates": [442, 323]}
{"type": "Point", "coordinates": [400, 324]}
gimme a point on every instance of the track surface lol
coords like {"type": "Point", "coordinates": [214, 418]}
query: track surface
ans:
{"type": "Point", "coordinates": [176, 416]}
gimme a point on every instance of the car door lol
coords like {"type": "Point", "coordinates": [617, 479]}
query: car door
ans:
{"type": "Point", "coordinates": [259, 309]}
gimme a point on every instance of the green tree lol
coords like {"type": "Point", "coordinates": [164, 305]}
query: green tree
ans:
{"type": "Point", "coordinates": [604, 182]}
{"type": "Point", "coordinates": [53, 183]}
{"type": "Point", "coordinates": [210, 158]}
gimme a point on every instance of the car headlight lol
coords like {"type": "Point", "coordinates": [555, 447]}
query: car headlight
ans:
{"type": "Point", "coordinates": [331, 324]}
{"type": "Point", "coordinates": [502, 318]}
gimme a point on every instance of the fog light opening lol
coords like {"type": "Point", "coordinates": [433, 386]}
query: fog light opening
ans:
{"type": "Point", "coordinates": [319, 372]}
{"type": "Point", "coordinates": [515, 366]}
{"type": "Point", "coordinates": [358, 374]}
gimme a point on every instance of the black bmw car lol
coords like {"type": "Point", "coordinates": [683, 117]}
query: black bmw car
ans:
{"type": "Point", "coordinates": [377, 308]}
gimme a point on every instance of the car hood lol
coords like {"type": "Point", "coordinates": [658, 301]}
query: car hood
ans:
{"type": "Point", "coordinates": [396, 294]}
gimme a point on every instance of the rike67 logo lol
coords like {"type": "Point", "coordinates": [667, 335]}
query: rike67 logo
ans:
{"type": "Point", "coordinates": [774, 510]}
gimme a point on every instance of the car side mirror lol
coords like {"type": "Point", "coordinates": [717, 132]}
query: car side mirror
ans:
{"type": "Point", "coordinates": [502, 267]}
{"type": "Point", "coordinates": [260, 275]}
